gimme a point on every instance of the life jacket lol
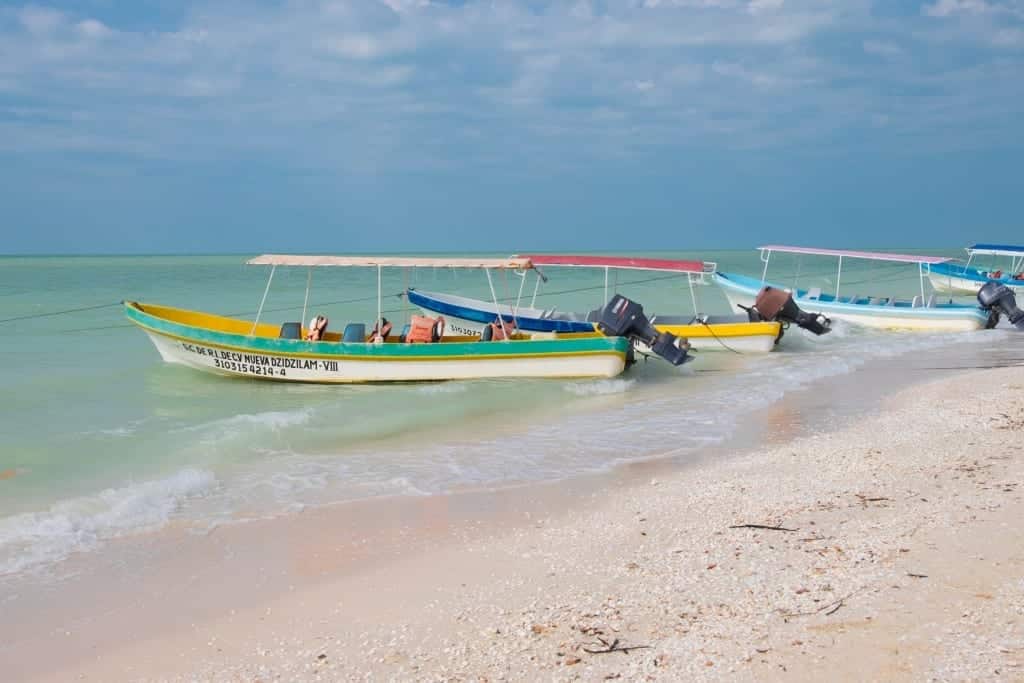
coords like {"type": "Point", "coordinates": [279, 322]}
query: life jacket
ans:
{"type": "Point", "coordinates": [499, 334]}
{"type": "Point", "coordinates": [424, 329]}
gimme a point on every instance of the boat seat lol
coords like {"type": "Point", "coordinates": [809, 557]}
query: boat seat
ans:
{"type": "Point", "coordinates": [891, 301]}
{"type": "Point", "coordinates": [875, 301]}
{"type": "Point", "coordinates": [487, 334]}
{"type": "Point", "coordinates": [916, 301]}
{"type": "Point", "coordinates": [290, 331]}
{"type": "Point", "coordinates": [354, 332]}
{"type": "Point", "coordinates": [931, 301]}
{"type": "Point", "coordinates": [405, 333]}
{"type": "Point", "coordinates": [814, 293]}
{"type": "Point", "coordinates": [852, 299]}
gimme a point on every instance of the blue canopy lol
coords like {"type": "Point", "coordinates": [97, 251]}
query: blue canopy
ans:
{"type": "Point", "coordinates": [996, 249]}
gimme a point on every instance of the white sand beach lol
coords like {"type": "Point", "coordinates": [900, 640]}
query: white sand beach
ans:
{"type": "Point", "coordinates": [896, 553]}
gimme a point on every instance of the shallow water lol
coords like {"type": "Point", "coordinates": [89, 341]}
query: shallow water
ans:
{"type": "Point", "coordinates": [101, 439]}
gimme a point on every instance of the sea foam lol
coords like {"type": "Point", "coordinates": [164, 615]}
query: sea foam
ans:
{"type": "Point", "coordinates": [32, 539]}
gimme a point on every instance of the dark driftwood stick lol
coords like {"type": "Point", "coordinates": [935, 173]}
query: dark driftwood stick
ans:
{"type": "Point", "coordinates": [761, 526]}
{"type": "Point", "coordinates": [835, 605]}
{"type": "Point", "coordinates": [874, 499]}
{"type": "Point", "coordinates": [917, 576]}
{"type": "Point", "coordinates": [614, 647]}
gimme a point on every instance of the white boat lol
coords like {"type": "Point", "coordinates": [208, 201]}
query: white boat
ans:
{"type": "Point", "coordinates": [921, 312]}
{"type": "Point", "coordinates": [957, 278]}
{"type": "Point", "coordinates": [283, 353]}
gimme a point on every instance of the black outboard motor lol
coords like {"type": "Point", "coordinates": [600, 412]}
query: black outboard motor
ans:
{"type": "Point", "coordinates": [624, 318]}
{"type": "Point", "coordinates": [774, 304]}
{"type": "Point", "coordinates": [999, 300]}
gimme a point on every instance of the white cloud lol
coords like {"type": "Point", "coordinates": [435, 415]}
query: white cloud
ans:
{"type": "Point", "coordinates": [759, 6]}
{"type": "Point", "coordinates": [947, 8]}
{"type": "Point", "coordinates": [40, 20]}
{"type": "Point", "coordinates": [882, 49]}
{"type": "Point", "coordinates": [1008, 37]}
{"type": "Point", "coordinates": [92, 28]}
{"type": "Point", "coordinates": [357, 46]}
{"type": "Point", "coordinates": [758, 79]}
{"type": "Point", "coordinates": [385, 78]}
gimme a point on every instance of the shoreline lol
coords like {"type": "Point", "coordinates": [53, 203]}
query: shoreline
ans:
{"type": "Point", "coordinates": [346, 597]}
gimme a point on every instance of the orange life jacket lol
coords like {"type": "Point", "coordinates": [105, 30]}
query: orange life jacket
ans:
{"type": "Point", "coordinates": [424, 329]}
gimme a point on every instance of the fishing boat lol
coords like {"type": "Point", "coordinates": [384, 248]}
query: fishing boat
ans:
{"type": "Point", "coordinates": [284, 353]}
{"type": "Point", "coordinates": [704, 332]}
{"type": "Point", "coordinates": [965, 278]}
{"type": "Point", "coordinates": [920, 312]}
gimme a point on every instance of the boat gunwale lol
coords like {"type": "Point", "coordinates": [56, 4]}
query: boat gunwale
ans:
{"type": "Point", "coordinates": [938, 310]}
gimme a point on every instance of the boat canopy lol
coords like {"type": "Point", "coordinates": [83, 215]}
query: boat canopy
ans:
{"type": "Point", "coordinates": [996, 249]}
{"type": "Point", "coordinates": [870, 255]}
{"type": "Point", "coordinates": [669, 265]}
{"type": "Point", "coordinates": [389, 261]}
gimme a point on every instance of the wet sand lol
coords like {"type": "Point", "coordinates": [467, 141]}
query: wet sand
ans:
{"type": "Point", "coordinates": [899, 556]}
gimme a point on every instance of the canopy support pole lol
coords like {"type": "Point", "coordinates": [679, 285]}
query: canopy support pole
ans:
{"type": "Point", "coordinates": [766, 256]}
{"type": "Point", "coordinates": [693, 294]}
{"type": "Point", "coordinates": [305, 302]}
{"type": "Point", "coordinates": [839, 276]}
{"type": "Point", "coordinates": [920, 273]}
{"type": "Point", "coordinates": [378, 325]}
{"type": "Point", "coordinates": [533, 301]}
{"type": "Point", "coordinates": [263, 301]}
{"type": "Point", "coordinates": [522, 282]}
{"type": "Point", "coordinates": [605, 286]}
{"type": "Point", "coordinates": [497, 308]}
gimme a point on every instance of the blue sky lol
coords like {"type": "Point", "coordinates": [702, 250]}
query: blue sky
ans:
{"type": "Point", "coordinates": [403, 125]}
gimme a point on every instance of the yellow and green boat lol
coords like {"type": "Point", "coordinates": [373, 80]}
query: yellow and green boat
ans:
{"type": "Point", "coordinates": [283, 353]}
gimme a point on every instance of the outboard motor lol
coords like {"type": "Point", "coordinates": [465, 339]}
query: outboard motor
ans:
{"type": "Point", "coordinates": [774, 304]}
{"type": "Point", "coordinates": [999, 300]}
{"type": "Point", "coordinates": [622, 317]}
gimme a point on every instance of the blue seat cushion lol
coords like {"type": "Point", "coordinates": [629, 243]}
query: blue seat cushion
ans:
{"type": "Point", "coordinates": [354, 332]}
{"type": "Point", "coordinates": [291, 331]}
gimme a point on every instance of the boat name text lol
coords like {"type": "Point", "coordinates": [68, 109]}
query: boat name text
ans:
{"type": "Point", "coordinates": [257, 364]}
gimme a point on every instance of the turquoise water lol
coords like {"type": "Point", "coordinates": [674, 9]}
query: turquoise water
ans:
{"type": "Point", "coordinates": [103, 439]}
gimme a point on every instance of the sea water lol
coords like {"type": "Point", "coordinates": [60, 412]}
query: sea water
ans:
{"type": "Point", "coordinates": [100, 439]}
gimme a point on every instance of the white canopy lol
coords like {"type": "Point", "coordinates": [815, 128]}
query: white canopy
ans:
{"type": "Point", "coordinates": [389, 261]}
{"type": "Point", "coordinates": [870, 255]}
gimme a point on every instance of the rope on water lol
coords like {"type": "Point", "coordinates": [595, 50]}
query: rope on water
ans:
{"type": "Point", "coordinates": [64, 312]}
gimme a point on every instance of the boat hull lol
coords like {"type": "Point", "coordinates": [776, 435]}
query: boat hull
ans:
{"type": "Point", "coordinates": [743, 337]}
{"type": "Point", "coordinates": [469, 317]}
{"type": "Point", "coordinates": [965, 281]}
{"type": "Point", "coordinates": [741, 291]}
{"type": "Point", "coordinates": [220, 346]}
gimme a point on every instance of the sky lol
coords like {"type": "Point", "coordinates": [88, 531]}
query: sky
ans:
{"type": "Point", "coordinates": [159, 126]}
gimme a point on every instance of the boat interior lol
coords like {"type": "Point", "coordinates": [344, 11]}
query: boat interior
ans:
{"type": "Point", "coordinates": [591, 316]}
{"type": "Point", "coordinates": [699, 319]}
{"type": "Point", "coordinates": [813, 294]}
{"type": "Point", "coordinates": [349, 332]}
